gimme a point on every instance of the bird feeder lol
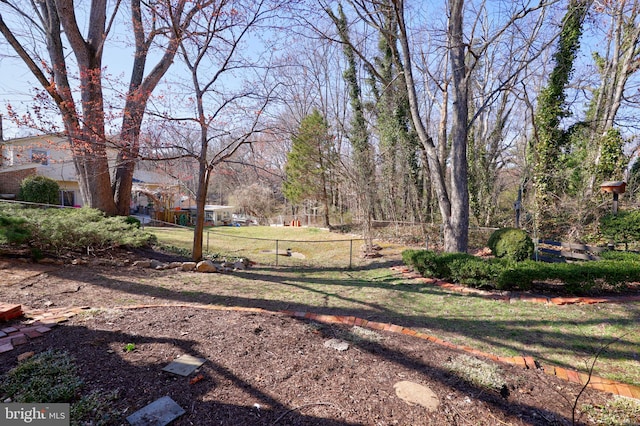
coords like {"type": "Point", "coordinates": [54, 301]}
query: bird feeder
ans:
{"type": "Point", "coordinates": [615, 188]}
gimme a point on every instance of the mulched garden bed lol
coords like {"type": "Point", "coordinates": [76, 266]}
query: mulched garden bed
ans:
{"type": "Point", "coordinates": [267, 369]}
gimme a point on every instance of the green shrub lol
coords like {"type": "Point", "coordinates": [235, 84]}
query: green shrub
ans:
{"type": "Point", "coordinates": [60, 230]}
{"type": "Point", "coordinates": [520, 275]}
{"type": "Point", "coordinates": [620, 255]}
{"type": "Point", "coordinates": [132, 220]}
{"type": "Point", "coordinates": [503, 274]}
{"type": "Point", "coordinates": [51, 377]}
{"type": "Point", "coordinates": [13, 230]}
{"type": "Point", "coordinates": [511, 243]}
{"type": "Point", "coordinates": [47, 377]}
{"type": "Point", "coordinates": [39, 189]}
{"type": "Point", "coordinates": [623, 227]}
{"type": "Point", "coordinates": [432, 264]}
{"type": "Point", "coordinates": [476, 272]}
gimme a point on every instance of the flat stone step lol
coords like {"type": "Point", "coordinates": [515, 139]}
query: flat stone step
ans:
{"type": "Point", "coordinates": [161, 412]}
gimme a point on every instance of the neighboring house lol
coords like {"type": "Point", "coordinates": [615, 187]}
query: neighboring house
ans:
{"type": "Point", "coordinates": [45, 155]}
{"type": "Point", "coordinates": [154, 192]}
{"type": "Point", "coordinates": [50, 156]}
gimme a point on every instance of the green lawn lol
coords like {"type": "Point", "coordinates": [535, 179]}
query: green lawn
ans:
{"type": "Point", "coordinates": [309, 246]}
{"type": "Point", "coordinates": [569, 336]}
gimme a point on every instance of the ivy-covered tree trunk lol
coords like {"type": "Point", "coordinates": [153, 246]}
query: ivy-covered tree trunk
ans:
{"type": "Point", "coordinates": [549, 138]}
{"type": "Point", "coordinates": [358, 133]}
{"type": "Point", "coordinates": [621, 61]}
{"type": "Point", "coordinates": [401, 178]}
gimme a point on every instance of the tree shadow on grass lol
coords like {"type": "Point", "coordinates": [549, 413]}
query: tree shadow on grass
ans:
{"type": "Point", "coordinates": [539, 336]}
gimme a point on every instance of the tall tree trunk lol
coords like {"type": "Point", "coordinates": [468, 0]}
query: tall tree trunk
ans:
{"type": "Point", "coordinates": [90, 155]}
{"type": "Point", "coordinates": [140, 89]}
{"type": "Point", "coordinates": [204, 174]}
{"type": "Point", "coordinates": [458, 238]}
{"type": "Point", "coordinates": [436, 169]}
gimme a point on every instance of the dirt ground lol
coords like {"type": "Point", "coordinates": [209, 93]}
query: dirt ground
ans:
{"type": "Point", "coordinates": [262, 368]}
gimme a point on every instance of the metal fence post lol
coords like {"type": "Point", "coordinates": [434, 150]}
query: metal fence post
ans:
{"type": "Point", "coordinates": [350, 252]}
{"type": "Point", "coordinates": [276, 252]}
{"type": "Point", "coordinates": [207, 241]}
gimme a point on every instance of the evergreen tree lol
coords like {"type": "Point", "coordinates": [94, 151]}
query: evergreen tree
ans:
{"type": "Point", "coordinates": [309, 163]}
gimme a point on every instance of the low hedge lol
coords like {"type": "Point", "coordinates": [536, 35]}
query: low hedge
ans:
{"type": "Point", "coordinates": [578, 278]}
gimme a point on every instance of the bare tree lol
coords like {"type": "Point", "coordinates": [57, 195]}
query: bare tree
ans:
{"type": "Point", "coordinates": [227, 112]}
{"type": "Point", "coordinates": [446, 155]}
{"type": "Point", "coordinates": [43, 51]}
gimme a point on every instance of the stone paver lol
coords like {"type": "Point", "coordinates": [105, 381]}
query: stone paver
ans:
{"type": "Point", "coordinates": [415, 393]}
{"type": "Point", "coordinates": [161, 412]}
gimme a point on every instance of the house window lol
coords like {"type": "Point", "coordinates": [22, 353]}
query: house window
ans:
{"type": "Point", "coordinates": [40, 156]}
{"type": "Point", "coordinates": [68, 198]}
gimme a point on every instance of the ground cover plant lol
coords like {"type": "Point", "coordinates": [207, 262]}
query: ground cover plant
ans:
{"type": "Point", "coordinates": [282, 365]}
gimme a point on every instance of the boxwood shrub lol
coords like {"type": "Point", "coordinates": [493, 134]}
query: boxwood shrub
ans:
{"type": "Point", "coordinates": [503, 274]}
{"type": "Point", "coordinates": [511, 243]}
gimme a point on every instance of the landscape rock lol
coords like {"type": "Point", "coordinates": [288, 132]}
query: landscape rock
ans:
{"type": "Point", "coordinates": [188, 266]}
{"type": "Point", "coordinates": [25, 356]}
{"type": "Point", "coordinates": [414, 393]}
{"type": "Point", "coordinates": [206, 266]}
{"type": "Point", "coordinates": [156, 264]}
{"type": "Point", "coordinates": [142, 263]}
{"type": "Point", "coordinates": [337, 344]}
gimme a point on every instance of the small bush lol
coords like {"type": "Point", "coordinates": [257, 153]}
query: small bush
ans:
{"type": "Point", "coordinates": [511, 243]}
{"type": "Point", "coordinates": [132, 220]}
{"type": "Point", "coordinates": [39, 189]}
{"type": "Point", "coordinates": [51, 377]}
{"type": "Point", "coordinates": [475, 272]}
{"type": "Point", "coordinates": [623, 227]}
{"type": "Point", "coordinates": [429, 263]}
{"type": "Point", "coordinates": [477, 372]}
